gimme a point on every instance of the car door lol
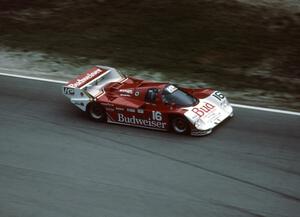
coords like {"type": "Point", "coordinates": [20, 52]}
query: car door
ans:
{"type": "Point", "coordinates": [152, 110]}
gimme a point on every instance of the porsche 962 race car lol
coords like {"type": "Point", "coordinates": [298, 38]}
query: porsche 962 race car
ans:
{"type": "Point", "coordinates": [108, 96]}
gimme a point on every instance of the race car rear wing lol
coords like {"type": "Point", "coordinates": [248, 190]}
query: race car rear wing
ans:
{"type": "Point", "coordinates": [89, 85]}
{"type": "Point", "coordinates": [96, 76]}
{"type": "Point", "coordinates": [87, 77]}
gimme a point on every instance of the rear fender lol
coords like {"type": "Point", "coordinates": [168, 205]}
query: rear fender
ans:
{"type": "Point", "coordinates": [81, 99]}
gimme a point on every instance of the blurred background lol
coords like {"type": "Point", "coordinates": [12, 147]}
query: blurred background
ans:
{"type": "Point", "coordinates": [249, 49]}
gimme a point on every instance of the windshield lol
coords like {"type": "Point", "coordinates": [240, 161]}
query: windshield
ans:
{"type": "Point", "coordinates": [171, 94]}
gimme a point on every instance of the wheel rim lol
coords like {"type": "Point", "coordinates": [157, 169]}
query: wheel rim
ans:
{"type": "Point", "coordinates": [179, 125]}
{"type": "Point", "coordinates": [96, 111]}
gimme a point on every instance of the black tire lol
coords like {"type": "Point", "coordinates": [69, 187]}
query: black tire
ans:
{"type": "Point", "coordinates": [96, 112]}
{"type": "Point", "coordinates": [180, 125]}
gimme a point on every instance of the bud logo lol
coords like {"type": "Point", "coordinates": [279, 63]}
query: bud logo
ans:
{"type": "Point", "coordinates": [203, 110]}
{"type": "Point", "coordinates": [87, 77]}
{"type": "Point", "coordinates": [141, 122]}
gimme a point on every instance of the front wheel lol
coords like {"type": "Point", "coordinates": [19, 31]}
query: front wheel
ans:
{"type": "Point", "coordinates": [96, 112]}
{"type": "Point", "coordinates": [180, 125]}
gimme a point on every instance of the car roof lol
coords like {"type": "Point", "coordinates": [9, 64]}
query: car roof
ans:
{"type": "Point", "coordinates": [132, 88]}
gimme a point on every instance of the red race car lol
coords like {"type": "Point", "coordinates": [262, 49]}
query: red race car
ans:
{"type": "Point", "coordinates": [109, 96]}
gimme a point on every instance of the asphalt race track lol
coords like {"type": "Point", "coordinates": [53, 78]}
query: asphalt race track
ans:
{"type": "Point", "coordinates": [56, 162]}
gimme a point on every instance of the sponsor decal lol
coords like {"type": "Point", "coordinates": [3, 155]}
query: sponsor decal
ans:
{"type": "Point", "coordinates": [119, 109]}
{"type": "Point", "coordinates": [130, 110]}
{"type": "Point", "coordinates": [87, 77]}
{"type": "Point", "coordinates": [110, 109]}
{"type": "Point", "coordinates": [78, 103]}
{"type": "Point", "coordinates": [140, 111]}
{"type": "Point", "coordinates": [123, 94]}
{"type": "Point", "coordinates": [203, 110]}
{"type": "Point", "coordinates": [141, 122]}
{"type": "Point", "coordinates": [128, 91]}
{"type": "Point", "coordinates": [68, 91]}
{"type": "Point", "coordinates": [195, 132]}
{"type": "Point", "coordinates": [107, 104]}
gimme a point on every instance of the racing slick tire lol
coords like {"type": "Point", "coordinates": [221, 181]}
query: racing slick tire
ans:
{"type": "Point", "coordinates": [96, 112]}
{"type": "Point", "coordinates": [180, 125]}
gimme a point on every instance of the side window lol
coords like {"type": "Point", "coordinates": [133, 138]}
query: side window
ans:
{"type": "Point", "coordinates": [166, 98]}
{"type": "Point", "coordinates": [151, 95]}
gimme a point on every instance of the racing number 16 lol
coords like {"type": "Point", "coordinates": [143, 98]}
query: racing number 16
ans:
{"type": "Point", "coordinates": [218, 95]}
{"type": "Point", "coordinates": [156, 116]}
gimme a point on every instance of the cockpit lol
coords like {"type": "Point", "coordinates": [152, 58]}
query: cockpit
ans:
{"type": "Point", "coordinates": [174, 95]}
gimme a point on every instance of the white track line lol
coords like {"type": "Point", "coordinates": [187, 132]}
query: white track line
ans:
{"type": "Point", "coordinates": [33, 78]}
{"type": "Point", "coordinates": [265, 109]}
{"type": "Point", "coordinates": [233, 104]}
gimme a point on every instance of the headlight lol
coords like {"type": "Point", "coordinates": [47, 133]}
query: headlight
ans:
{"type": "Point", "coordinates": [224, 103]}
{"type": "Point", "coordinates": [198, 124]}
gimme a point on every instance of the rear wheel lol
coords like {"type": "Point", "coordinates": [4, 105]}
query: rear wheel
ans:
{"type": "Point", "coordinates": [180, 125]}
{"type": "Point", "coordinates": [96, 112]}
